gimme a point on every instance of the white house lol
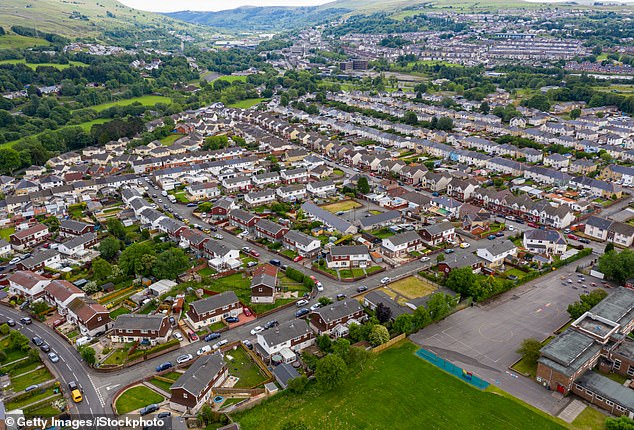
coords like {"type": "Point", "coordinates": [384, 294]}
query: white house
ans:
{"type": "Point", "coordinates": [294, 335]}
{"type": "Point", "coordinates": [495, 253]}
{"type": "Point", "coordinates": [544, 241]}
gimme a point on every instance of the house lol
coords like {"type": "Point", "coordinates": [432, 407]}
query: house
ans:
{"type": "Point", "coordinates": [91, 318]}
{"type": "Point", "coordinates": [375, 297]}
{"type": "Point", "coordinates": [597, 227]}
{"type": "Point", "coordinates": [347, 256]}
{"type": "Point", "coordinates": [400, 245]}
{"type": "Point", "coordinates": [293, 336]}
{"type": "Point", "coordinates": [258, 198]}
{"type": "Point", "coordinates": [265, 179]}
{"type": "Point", "coordinates": [327, 218]}
{"type": "Point", "coordinates": [220, 255]}
{"type": "Point", "coordinates": [71, 228]}
{"type": "Point", "coordinates": [5, 248]}
{"type": "Point", "coordinates": [495, 253]}
{"type": "Point", "coordinates": [291, 193]}
{"type": "Point", "coordinates": [265, 229]}
{"type": "Point", "coordinates": [557, 161]}
{"type": "Point", "coordinates": [27, 284]}
{"type": "Point", "coordinates": [624, 175]}
{"type": "Point", "coordinates": [321, 188]}
{"type": "Point", "coordinates": [294, 176]}
{"type": "Point", "coordinates": [544, 242]}
{"type": "Point", "coordinates": [264, 285]}
{"type": "Point", "coordinates": [212, 309]}
{"type": "Point", "coordinates": [458, 261]}
{"type": "Point", "coordinates": [446, 206]}
{"type": "Point", "coordinates": [194, 388]}
{"type": "Point", "coordinates": [206, 190]}
{"type": "Point", "coordinates": [382, 219]}
{"type": "Point", "coordinates": [60, 294]}
{"type": "Point", "coordinates": [619, 233]}
{"type": "Point", "coordinates": [139, 327]}
{"type": "Point", "coordinates": [29, 237]}
{"type": "Point", "coordinates": [220, 210]}
{"type": "Point", "coordinates": [39, 260]}
{"type": "Point", "coordinates": [476, 222]}
{"type": "Point", "coordinates": [303, 244]}
{"type": "Point", "coordinates": [237, 184]}
{"type": "Point", "coordinates": [437, 233]}
{"type": "Point", "coordinates": [78, 245]}
{"type": "Point", "coordinates": [327, 319]}
{"type": "Point", "coordinates": [243, 220]}
{"type": "Point", "coordinates": [461, 189]}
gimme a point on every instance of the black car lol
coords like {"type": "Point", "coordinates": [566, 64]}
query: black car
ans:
{"type": "Point", "coordinates": [274, 262]}
{"type": "Point", "coordinates": [172, 321]}
{"type": "Point", "coordinates": [149, 409]}
{"type": "Point", "coordinates": [164, 415]}
{"type": "Point", "coordinates": [271, 324]}
{"type": "Point", "coordinates": [300, 313]}
{"type": "Point", "coordinates": [37, 341]}
{"type": "Point", "coordinates": [582, 240]}
{"type": "Point", "coordinates": [26, 320]}
{"type": "Point", "coordinates": [232, 319]}
{"type": "Point", "coordinates": [361, 289]}
{"type": "Point", "coordinates": [211, 336]}
{"type": "Point", "coordinates": [44, 347]}
{"type": "Point", "coordinates": [72, 386]}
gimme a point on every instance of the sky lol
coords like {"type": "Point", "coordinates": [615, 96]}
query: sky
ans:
{"type": "Point", "coordinates": [212, 5]}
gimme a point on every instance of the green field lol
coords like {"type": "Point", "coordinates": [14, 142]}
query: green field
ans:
{"type": "Point", "coordinates": [232, 78]}
{"type": "Point", "coordinates": [243, 367]}
{"type": "Point", "coordinates": [136, 398]}
{"type": "Point", "coordinates": [6, 232]}
{"type": "Point", "coordinates": [397, 387]}
{"type": "Point", "coordinates": [144, 100]}
{"type": "Point", "coordinates": [84, 125]}
{"type": "Point", "coordinates": [246, 103]}
{"type": "Point", "coordinates": [36, 65]}
{"type": "Point", "coordinates": [15, 41]}
{"type": "Point", "coordinates": [169, 140]}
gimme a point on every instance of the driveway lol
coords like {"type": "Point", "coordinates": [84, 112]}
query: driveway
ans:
{"type": "Point", "coordinates": [483, 339]}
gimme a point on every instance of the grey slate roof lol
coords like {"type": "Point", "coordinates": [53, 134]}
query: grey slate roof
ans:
{"type": "Point", "coordinates": [380, 218]}
{"type": "Point", "coordinates": [139, 322]}
{"type": "Point", "coordinates": [438, 228]}
{"type": "Point", "coordinates": [553, 236]}
{"type": "Point", "coordinates": [599, 222]}
{"type": "Point", "coordinates": [73, 225]}
{"type": "Point", "coordinates": [569, 351]}
{"type": "Point", "coordinates": [299, 237]}
{"type": "Point", "coordinates": [338, 310]}
{"type": "Point", "coordinates": [285, 332]}
{"type": "Point", "coordinates": [326, 217]}
{"type": "Point", "coordinates": [214, 302]}
{"type": "Point", "coordinates": [344, 250]}
{"type": "Point", "coordinates": [284, 373]}
{"type": "Point", "coordinates": [200, 374]}
{"type": "Point", "coordinates": [408, 236]}
{"type": "Point", "coordinates": [80, 240]}
{"type": "Point", "coordinates": [607, 388]}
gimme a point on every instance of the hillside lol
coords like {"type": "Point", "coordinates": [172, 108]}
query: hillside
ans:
{"type": "Point", "coordinates": [102, 19]}
{"type": "Point", "coordinates": [261, 18]}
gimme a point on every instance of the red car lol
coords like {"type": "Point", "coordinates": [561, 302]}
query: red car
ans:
{"type": "Point", "coordinates": [193, 336]}
{"type": "Point", "coordinates": [247, 312]}
{"type": "Point", "coordinates": [255, 253]}
{"type": "Point", "coordinates": [532, 224]}
{"type": "Point", "coordinates": [298, 258]}
{"type": "Point", "coordinates": [573, 237]}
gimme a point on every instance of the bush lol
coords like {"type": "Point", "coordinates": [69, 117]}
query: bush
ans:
{"type": "Point", "coordinates": [295, 274]}
{"type": "Point", "coordinates": [298, 385]}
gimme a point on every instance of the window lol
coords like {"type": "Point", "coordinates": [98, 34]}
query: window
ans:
{"type": "Point", "coordinates": [617, 364]}
{"type": "Point", "coordinates": [184, 395]}
{"type": "Point", "coordinates": [599, 398]}
{"type": "Point", "coordinates": [590, 393]}
{"type": "Point", "coordinates": [620, 408]}
{"type": "Point", "coordinates": [609, 403]}
{"type": "Point", "coordinates": [630, 371]}
{"type": "Point", "coordinates": [578, 387]}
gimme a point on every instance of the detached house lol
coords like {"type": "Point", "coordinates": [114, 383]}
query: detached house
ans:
{"type": "Point", "coordinates": [194, 388]}
{"type": "Point", "coordinates": [138, 327]}
{"type": "Point", "coordinates": [348, 256]}
{"type": "Point", "coordinates": [29, 237]}
{"type": "Point", "coordinates": [495, 254]}
{"type": "Point", "coordinates": [60, 294]}
{"type": "Point", "coordinates": [544, 242]}
{"type": "Point", "coordinates": [212, 309]}
{"type": "Point", "coordinates": [400, 245]}
{"type": "Point", "coordinates": [90, 317]}
{"type": "Point", "coordinates": [293, 336]}
{"type": "Point", "coordinates": [304, 245]}
{"type": "Point", "coordinates": [71, 228]}
{"type": "Point", "coordinates": [334, 318]}
{"type": "Point", "coordinates": [266, 229]}
{"type": "Point", "coordinates": [27, 284]}
{"type": "Point", "coordinates": [437, 233]}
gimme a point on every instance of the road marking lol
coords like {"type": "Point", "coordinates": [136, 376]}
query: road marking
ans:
{"type": "Point", "coordinates": [69, 367]}
{"type": "Point", "coordinates": [110, 387]}
{"type": "Point", "coordinates": [99, 396]}
{"type": "Point", "coordinates": [91, 412]}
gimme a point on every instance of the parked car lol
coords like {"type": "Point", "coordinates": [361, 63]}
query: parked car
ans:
{"type": "Point", "coordinates": [211, 336]}
{"type": "Point", "coordinates": [247, 343]}
{"type": "Point", "coordinates": [192, 336]}
{"type": "Point", "coordinates": [319, 285]}
{"type": "Point", "coordinates": [53, 357]}
{"type": "Point", "coordinates": [465, 245]}
{"type": "Point", "coordinates": [362, 288]}
{"type": "Point", "coordinates": [218, 236]}
{"type": "Point", "coordinates": [149, 409]}
{"type": "Point", "coordinates": [172, 321]}
{"type": "Point", "coordinates": [44, 347]}
{"type": "Point", "coordinates": [449, 251]}
{"type": "Point", "coordinates": [341, 296]}
{"type": "Point", "coordinates": [499, 234]}
{"type": "Point", "coordinates": [303, 311]}
{"type": "Point", "coordinates": [164, 366]}
{"type": "Point", "coordinates": [246, 249]}
{"type": "Point", "coordinates": [37, 341]}
{"type": "Point", "coordinates": [583, 240]}
{"type": "Point", "coordinates": [247, 312]}
{"type": "Point", "coordinates": [275, 262]}
{"type": "Point", "coordinates": [567, 231]}
{"type": "Point", "coordinates": [271, 324]}
{"type": "Point", "coordinates": [491, 237]}
{"type": "Point", "coordinates": [511, 228]}
{"type": "Point", "coordinates": [232, 320]}
{"type": "Point", "coordinates": [257, 330]}
{"type": "Point", "coordinates": [532, 224]}
{"type": "Point", "coordinates": [386, 280]}
{"type": "Point", "coordinates": [219, 344]}
{"type": "Point", "coordinates": [15, 260]}
{"type": "Point", "coordinates": [178, 336]}
{"type": "Point", "coordinates": [184, 358]}
{"type": "Point", "coordinates": [191, 205]}
{"type": "Point", "coordinates": [298, 258]}
{"type": "Point", "coordinates": [11, 323]}
{"type": "Point", "coordinates": [165, 414]}
{"type": "Point", "coordinates": [425, 259]}
{"type": "Point", "coordinates": [573, 237]}
{"type": "Point", "coordinates": [301, 303]}
{"type": "Point", "coordinates": [252, 263]}
{"type": "Point", "coordinates": [315, 306]}
{"type": "Point", "coordinates": [26, 320]}
{"type": "Point", "coordinates": [204, 350]}
{"type": "Point", "coordinates": [254, 253]}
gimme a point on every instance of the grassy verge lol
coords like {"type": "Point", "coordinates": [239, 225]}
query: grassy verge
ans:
{"type": "Point", "coordinates": [136, 398]}
{"type": "Point", "coordinates": [243, 367]}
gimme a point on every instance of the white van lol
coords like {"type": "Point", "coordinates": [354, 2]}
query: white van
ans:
{"type": "Point", "coordinates": [83, 341]}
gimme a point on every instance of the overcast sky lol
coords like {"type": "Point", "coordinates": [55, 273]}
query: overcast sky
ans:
{"type": "Point", "coordinates": [214, 5]}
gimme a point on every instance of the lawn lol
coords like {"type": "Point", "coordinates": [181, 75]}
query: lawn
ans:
{"type": "Point", "coordinates": [6, 232]}
{"type": "Point", "coordinates": [382, 233]}
{"type": "Point", "coordinates": [36, 65]}
{"type": "Point", "coordinates": [163, 385]}
{"type": "Point", "coordinates": [342, 206]}
{"type": "Point", "coordinates": [243, 367]}
{"type": "Point", "coordinates": [117, 357]}
{"type": "Point", "coordinates": [412, 287]}
{"type": "Point", "coordinates": [515, 272]}
{"type": "Point", "coordinates": [136, 398]}
{"type": "Point", "coordinates": [168, 140]}
{"type": "Point", "coordinates": [148, 100]}
{"type": "Point", "coordinates": [397, 387]}
{"type": "Point", "coordinates": [36, 377]}
{"type": "Point", "coordinates": [37, 395]}
{"type": "Point", "coordinates": [246, 103]}
{"type": "Point", "coordinates": [44, 410]}
{"type": "Point", "coordinates": [15, 41]}
{"type": "Point", "coordinates": [231, 78]}
{"type": "Point", "coordinates": [589, 419]}
{"type": "Point", "coordinates": [121, 310]}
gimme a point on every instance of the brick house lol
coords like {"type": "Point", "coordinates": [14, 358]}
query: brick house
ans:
{"type": "Point", "coordinates": [194, 388]}
{"type": "Point", "coordinates": [437, 233]}
{"type": "Point", "coordinates": [325, 320]}
{"type": "Point", "coordinates": [71, 228]}
{"type": "Point", "coordinates": [346, 256]}
{"type": "Point", "coordinates": [266, 229]}
{"type": "Point", "coordinates": [139, 327]}
{"type": "Point", "coordinates": [212, 309]}
{"type": "Point", "coordinates": [60, 293]}
{"type": "Point", "coordinates": [243, 219]}
{"type": "Point", "coordinates": [29, 237]}
{"type": "Point", "coordinates": [400, 245]}
{"type": "Point", "coordinates": [90, 317]}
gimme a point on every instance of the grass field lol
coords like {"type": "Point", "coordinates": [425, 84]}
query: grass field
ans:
{"type": "Point", "coordinates": [15, 41]}
{"type": "Point", "coordinates": [35, 377]}
{"type": "Point", "coordinates": [163, 385]}
{"type": "Point", "coordinates": [144, 100]}
{"type": "Point", "coordinates": [397, 387]}
{"type": "Point", "coordinates": [136, 398]}
{"type": "Point", "coordinates": [246, 103]}
{"type": "Point", "coordinates": [231, 78]}
{"type": "Point", "coordinates": [343, 206]}
{"type": "Point", "coordinates": [36, 65]}
{"type": "Point", "coordinates": [244, 368]}
{"type": "Point", "coordinates": [169, 140]}
{"type": "Point", "coordinates": [6, 232]}
{"type": "Point", "coordinates": [412, 287]}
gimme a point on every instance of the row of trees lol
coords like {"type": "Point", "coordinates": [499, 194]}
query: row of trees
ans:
{"type": "Point", "coordinates": [617, 266]}
{"type": "Point", "coordinates": [479, 287]}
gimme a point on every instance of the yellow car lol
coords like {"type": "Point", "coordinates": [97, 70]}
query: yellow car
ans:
{"type": "Point", "coordinates": [76, 395]}
{"type": "Point", "coordinates": [464, 245]}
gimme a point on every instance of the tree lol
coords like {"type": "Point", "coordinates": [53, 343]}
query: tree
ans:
{"type": "Point", "coordinates": [4, 329]}
{"type": "Point", "coordinates": [410, 118]}
{"type": "Point", "coordinates": [132, 261]}
{"type": "Point", "coordinates": [109, 247]}
{"type": "Point", "coordinates": [538, 101]}
{"type": "Point", "coordinates": [39, 307]}
{"type": "Point", "coordinates": [383, 313]}
{"type": "Point", "coordinates": [529, 349]}
{"type": "Point", "coordinates": [88, 354]}
{"type": "Point", "coordinates": [485, 108]}
{"type": "Point", "coordinates": [462, 281]}
{"type": "Point", "coordinates": [617, 266]}
{"type": "Point", "coordinates": [170, 264]}
{"type": "Point", "coordinates": [330, 372]}
{"type": "Point", "coordinates": [324, 301]}
{"type": "Point", "coordinates": [438, 306]}
{"type": "Point", "coordinates": [116, 228]}
{"type": "Point", "coordinates": [575, 113]}
{"type": "Point", "coordinates": [421, 318]}
{"type": "Point", "coordinates": [341, 347]}
{"type": "Point", "coordinates": [324, 343]}
{"type": "Point", "coordinates": [216, 142]}
{"type": "Point", "coordinates": [101, 269]}
{"type": "Point", "coordinates": [585, 303]}
{"type": "Point", "coordinates": [9, 160]}
{"type": "Point", "coordinates": [621, 423]}
{"type": "Point", "coordinates": [363, 186]}
{"type": "Point", "coordinates": [444, 123]}
{"type": "Point", "coordinates": [609, 247]}
{"type": "Point", "coordinates": [403, 323]}
{"type": "Point", "coordinates": [298, 385]}
{"type": "Point", "coordinates": [378, 335]}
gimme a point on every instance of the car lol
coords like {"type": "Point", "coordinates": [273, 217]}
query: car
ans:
{"type": "Point", "coordinates": [15, 260]}
{"type": "Point", "coordinates": [213, 228]}
{"type": "Point", "coordinates": [315, 306]}
{"type": "Point", "coordinates": [211, 336]}
{"type": "Point", "coordinates": [191, 205]}
{"type": "Point", "coordinates": [178, 336]}
{"type": "Point", "coordinates": [386, 280]}
{"type": "Point", "coordinates": [491, 237]}
{"type": "Point", "coordinates": [301, 303]}
{"type": "Point", "coordinates": [573, 237]}
{"type": "Point", "coordinates": [583, 240]}
{"type": "Point", "coordinates": [11, 323]}
{"type": "Point", "coordinates": [319, 285]}
{"type": "Point", "coordinates": [53, 357]}
{"type": "Point", "coordinates": [232, 320]}
{"type": "Point", "coordinates": [218, 236]}
{"type": "Point", "coordinates": [247, 312]}
{"type": "Point", "coordinates": [361, 288]}
{"type": "Point", "coordinates": [532, 224]}
{"type": "Point", "coordinates": [246, 249]}
{"type": "Point", "coordinates": [204, 350]}
{"type": "Point", "coordinates": [341, 296]}
{"type": "Point", "coordinates": [149, 409]}
{"type": "Point", "coordinates": [76, 395]}
{"type": "Point", "coordinates": [165, 414]}
{"type": "Point", "coordinates": [32, 387]}
{"type": "Point", "coordinates": [465, 245]}
{"type": "Point", "coordinates": [172, 321]}
{"type": "Point", "coordinates": [254, 253]}
{"type": "Point", "coordinates": [451, 241]}
{"type": "Point", "coordinates": [300, 313]}
{"type": "Point", "coordinates": [184, 358]}
{"type": "Point", "coordinates": [425, 259]}
{"type": "Point", "coordinates": [44, 347]}
{"type": "Point", "coordinates": [499, 234]}
{"type": "Point", "coordinates": [594, 284]}
{"type": "Point", "coordinates": [247, 343]}
{"type": "Point", "coordinates": [519, 221]}
{"type": "Point", "coordinates": [192, 336]}
{"type": "Point", "coordinates": [435, 194]}
{"type": "Point", "coordinates": [275, 262]}
{"type": "Point", "coordinates": [252, 263]}
{"type": "Point", "coordinates": [298, 258]}
{"type": "Point", "coordinates": [37, 341]}
{"type": "Point", "coordinates": [219, 344]}
{"type": "Point", "coordinates": [449, 251]}
{"type": "Point", "coordinates": [72, 385]}
{"type": "Point", "coordinates": [510, 217]}
{"type": "Point", "coordinates": [164, 366]}
{"type": "Point", "coordinates": [271, 324]}
{"type": "Point", "coordinates": [567, 231]}
{"type": "Point", "coordinates": [511, 228]}
{"type": "Point", "coordinates": [256, 330]}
